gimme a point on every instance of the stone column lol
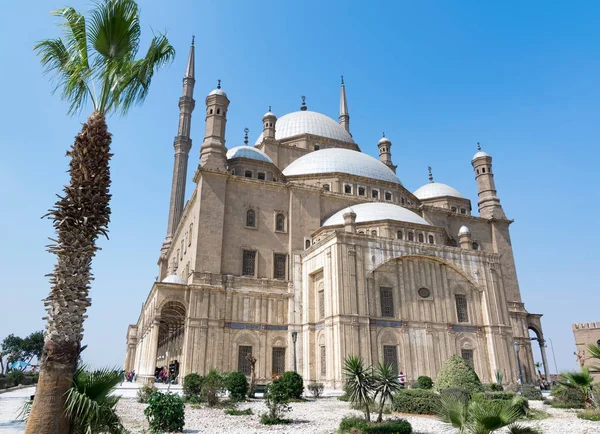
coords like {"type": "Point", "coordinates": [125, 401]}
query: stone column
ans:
{"type": "Point", "coordinates": [544, 359]}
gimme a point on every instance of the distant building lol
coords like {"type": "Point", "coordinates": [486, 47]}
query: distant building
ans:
{"type": "Point", "coordinates": [301, 250]}
{"type": "Point", "coordinates": [587, 334]}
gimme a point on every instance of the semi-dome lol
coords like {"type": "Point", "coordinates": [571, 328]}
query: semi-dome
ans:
{"type": "Point", "coordinates": [173, 278]}
{"type": "Point", "coordinates": [332, 160]}
{"type": "Point", "coordinates": [248, 152]}
{"type": "Point", "coordinates": [436, 189]}
{"type": "Point", "coordinates": [307, 122]}
{"type": "Point", "coordinates": [375, 211]}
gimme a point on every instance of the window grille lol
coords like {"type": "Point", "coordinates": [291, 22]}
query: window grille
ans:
{"type": "Point", "coordinates": [321, 304]}
{"type": "Point", "coordinates": [388, 195]}
{"type": "Point", "coordinates": [347, 189]}
{"type": "Point", "coordinates": [261, 176]}
{"type": "Point", "coordinates": [361, 191]}
{"type": "Point", "coordinates": [387, 301]}
{"type": "Point", "coordinates": [467, 355]}
{"type": "Point", "coordinates": [323, 361]}
{"type": "Point", "coordinates": [244, 365]}
{"type": "Point", "coordinates": [374, 194]}
{"type": "Point", "coordinates": [278, 360]}
{"type": "Point", "coordinates": [421, 238]}
{"type": "Point", "coordinates": [390, 357]}
{"type": "Point", "coordinates": [411, 236]}
{"type": "Point", "coordinates": [248, 174]}
{"type": "Point", "coordinates": [461, 308]}
{"type": "Point", "coordinates": [248, 266]}
{"type": "Point", "coordinates": [399, 235]}
{"type": "Point", "coordinates": [280, 222]}
{"type": "Point", "coordinates": [279, 270]}
{"type": "Point", "coordinates": [250, 218]}
{"type": "Point", "coordinates": [431, 239]}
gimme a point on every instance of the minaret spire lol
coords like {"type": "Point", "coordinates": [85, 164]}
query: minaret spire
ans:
{"type": "Point", "coordinates": [344, 115]}
{"type": "Point", "coordinates": [182, 145]}
{"type": "Point", "coordinates": [430, 174]}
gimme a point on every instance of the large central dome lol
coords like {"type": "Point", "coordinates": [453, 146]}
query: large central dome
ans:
{"type": "Point", "coordinates": [339, 160]}
{"type": "Point", "coordinates": [307, 122]}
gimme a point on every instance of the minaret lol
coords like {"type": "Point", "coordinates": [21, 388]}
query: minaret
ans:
{"type": "Point", "coordinates": [269, 121]}
{"type": "Point", "coordinates": [489, 204]}
{"type": "Point", "coordinates": [385, 152]}
{"type": "Point", "coordinates": [344, 115]}
{"type": "Point", "coordinates": [182, 145]}
{"type": "Point", "coordinates": [213, 154]}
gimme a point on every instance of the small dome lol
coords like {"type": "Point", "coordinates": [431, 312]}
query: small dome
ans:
{"type": "Point", "coordinates": [375, 211]}
{"type": "Point", "coordinates": [248, 152]}
{"type": "Point", "coordinates": [436, 189]}
{"type": "Point", "coordinates": [464, 231]}
{"type": "Point", "coordinates": [218, 92]}
{"type": "Point", "coordinates": [383, 140]}
{"type": "Point", "coordinates": [339, 160]}
{"type": "Point", "coordinates": [480, 154]}
{"type": "Point", "coordinates": [307, 122]}
{"type": "Point", "coordinates": [269, 115]}
{"type": "Point", "coordinates": [173, 278]}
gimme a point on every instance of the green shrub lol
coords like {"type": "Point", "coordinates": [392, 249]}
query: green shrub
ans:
{"type": "Point", "coordinates": [316, 389]}
{"type": "Point", "coordinates": [237, 385]}
{"type": "Point", "coordinates": [30, 378]}
{"type": "Point", "coordinates": [456, 372]}
{"type": "Point", "coordinates": [458, 393]}
{"type": "Point", "coordinates": [423, 382]}
{"type": "Point", "coordinates": [5, 383]}
{"type": "Point", "coordinates": [531, 392]}
{"type": "Point", "coordinates": [192, 386]}
{"type": "Point", "coordinates": [276, 400]}
{"type": "Point", "coordinates": [145, 392]}
{"type": "Point", "coordinates": [507, 396]}
{"type": "Point", "coordinates": [266, 419]}
{"type": "Point", "coordinates": [593, 415]}
{"type": "Point", "coordinates": [293, 384]}
{"type": "Point", "coordinates": [15, 378]}
{"type": "Point", "coordinates": [232, 411]}
{"type": "Point", "coordinates": [356, 425]}
{"type": "Point", "coordinates": [494, 387]}
{"type": "Point", "coordinates": [517, 401]}
{"type": "Point", "coordinates": [566, 397]}
{"type": "Point", "coordinates": [165, 412]}
{"type": "Point", "coordinates": [416, 401]}
{"type": "Point", "coordinates": [212, 386]}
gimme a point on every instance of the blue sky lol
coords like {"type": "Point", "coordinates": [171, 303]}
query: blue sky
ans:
{"type": "Point", "coordinates": [520, 77]}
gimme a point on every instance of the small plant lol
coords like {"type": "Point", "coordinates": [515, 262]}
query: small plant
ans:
{"type": "Point", "coordinates": [385, 384]}
{"type": "Point", "coordinates": [192, 386]}
{"type": "Point", "coordinates": [145, 392]}
{"type": "Point", "coordinates": [232, 411]}
{"type": "Point", "coordinates": [359, 382]}
{"type": "Point", "coordinates": [165, 412]}
{"type": "Point", "coordinates": [15, 377]}
{"type": "Point", "coordinates": [455, 372]}
{"type": "Point", "coordinates": [316, 389]}
{"type": "Point", "coordinates": [532, 392]}
{"type": "Point", "coordinates": [293, 384]}
{"type": "Point", "coordinates": [582, 381]}
{"type": "Point", "coordinates": [237, 385]}
{"type": "Point", "coordinates": [424, 382]}
{"type": "Point", "coordinates": [276, 400]}
{"type": "Point", "coordinates": [416, 401]}
{"type": "Point", "coordinates": [591, 414]}
{"type": "Point", "coordinates": [356, 425]}
{"type": "Point", "coordinates": [212, 386]}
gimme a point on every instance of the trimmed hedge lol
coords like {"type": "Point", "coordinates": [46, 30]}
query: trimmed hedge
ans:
{"type": "Point", "coordinates": [593, 415]}
{"type": "Point", "coordinates": [192, 386]}
{"type": "Point", "coordinates": [457, 373]}
{"type": "Point", "coordinates": [293, 384]}
{"type": "Point", "coordinates": [565, 397]}
{"type": "Point", "coordinates": [517, 401]}
{"type": "Point", "coordinates": [416, 401]}
{"type": "Point", "coordinates": [357, 425]}
{"type": "Point", "coordinates": [424, 382]}
{"type": "Point", "coordinates": [532, 392]}
{"type": "Point", "coordinates": [237, 385]}
{"type": "Point", "coordinates": [507, 396]}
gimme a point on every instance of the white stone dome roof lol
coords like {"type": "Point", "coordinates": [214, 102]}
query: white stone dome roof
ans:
{"type": "Point", "coordinates": [480, 154]}
{"type": "Point", "coordinates": [218, 92]}
{"type": "Point", "coordinates": [436, 189]}
{"type": "Point", "coordinates": [269, 114]}
{"type": "Point", "coordinates": [375, 211]}
{"type": "Point", "coordinates": [173, 278]}
{"type": "Point", "coordinates": [332, 160]}
{"type": "Point", "coordinates": [383, 140]}
{"type": "Point", "coordinates": [248, 152]}
{"type": "Point", "coordinates": [464, 230]}
{"type": "Point", "coordinates": [307, 122]}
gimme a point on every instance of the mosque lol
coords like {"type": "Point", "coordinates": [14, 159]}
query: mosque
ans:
{"type": "Point", "coordinates": [301, 250]}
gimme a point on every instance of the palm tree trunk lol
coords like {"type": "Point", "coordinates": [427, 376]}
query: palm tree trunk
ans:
{"type": "Point", "coordinates": [79, 217]}
{"type": "Point", "coordinates": [381, 404]}
{"type": "Point", "coordinates": [367, 412]}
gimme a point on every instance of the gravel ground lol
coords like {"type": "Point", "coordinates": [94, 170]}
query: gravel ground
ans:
{"type": "Point", "coordinates": [324, 415]}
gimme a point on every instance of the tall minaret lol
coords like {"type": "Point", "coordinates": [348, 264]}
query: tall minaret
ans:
{"type": "Point", "coordinates": [182, 145]}
{"type": "Point", "coordinates": [213, 154]}
{"type": "Point", "coordinates": [385, 152]}
{"type": "Point", "coordinates": [489, 204]}
{"type": "Point", "coordinates": [344, 116]}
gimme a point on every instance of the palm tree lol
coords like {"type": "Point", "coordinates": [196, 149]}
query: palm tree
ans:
{"type": "Point", "coordinates": [582, 381]}
{"type": "Point", "coordinates": [93, 61]}
{"type": "Point", "coordinates": [385, 385]}
{"type": "Point", "coordinates": [359, 383]}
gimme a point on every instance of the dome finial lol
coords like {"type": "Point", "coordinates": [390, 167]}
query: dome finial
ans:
{"type": "Point", "coordinates": [269, 108]}
{"type": "Point", "coordinates": [383, 134]}
{"type": "Point", "coordinates": [430, 174]}
{"type": "Point", "coordinates": [478, 146]}
{"type": "Point", "coordinates": [193, 37]}
{"type": "Point", "coordinates": [246, 131]}
{"type": "Point", "coordinates": [303, 106]}
{"type": "Point", "coordinates": [219, 84]}
{"type": "Point", "coordinates": [342, 80]}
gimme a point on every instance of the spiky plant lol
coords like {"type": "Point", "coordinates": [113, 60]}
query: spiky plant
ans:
{"type": "Point", "coordinates": [95, 61]}
{"type": "Point", "coordinates": [385, 384]}
{"type": "Point", "coordinates": [582, 381]}
{"type": "Point", "coordinates": [499, 377]}
{"type": "Point", "coordinates": [594, 352]}
{"type": "Point", "coordinates": [359, 383]}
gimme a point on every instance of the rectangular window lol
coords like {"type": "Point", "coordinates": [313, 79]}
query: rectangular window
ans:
{"type": "Point", "coordinates": [388, 195]}
{"type": "Point", "coordinates": [249, 262]}
{"type": "Point", "coordinates": [244, 365]}
{"type": "Point", "coordinates": [461, 308]}
{"type": "Point", "coordinates": [467, 355]}
{"type": "Point", "coordinates": [374, 194]}
{"type": "Point", "coordinates": [278, 360]}
{"type": "Point", "coordinates": [390, 357]}
{"type": "Point", "coordinates": [387, 301]}
{"type": "Point", "coordinates": [348, 189]}
{"type": "Point", "coordinates": [361, 191]}
{"type": "Point", "coordinates": [323, 361]}
{"type": "Point", "coordinates": [321, 304]}
{"type": "Point", "coordinates": [261, 176]}
{"type": "Point", "coordinates": [279, 266]}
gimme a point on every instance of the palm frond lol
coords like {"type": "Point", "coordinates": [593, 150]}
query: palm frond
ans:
{"type": "Point", "coordinates": [454, 410]}
{"type": "Point", "coordinates": [490, 415]}
{"type": "Point", "coordinates": [594, 352]}
{"type": "Point", "coordinates": [114, 29]}
{"type": "Point", "coordinates": [75, 33]}
{"type": "Point", "coordinates": [521, 429]}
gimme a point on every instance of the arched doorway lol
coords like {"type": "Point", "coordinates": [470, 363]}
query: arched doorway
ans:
{"type": "Point", "coordinates": [171, 337]}
{"type": "Point", "coordinates": [539, 355]}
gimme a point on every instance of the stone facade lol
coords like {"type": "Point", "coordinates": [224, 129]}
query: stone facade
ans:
{"type": "Point", "coordinates": [587, 334]}
{"type": "Point", "coordinates": [255, 263]}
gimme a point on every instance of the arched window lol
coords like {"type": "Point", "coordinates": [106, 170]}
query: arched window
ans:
{"type": "Point", "coordinates": [361, 232]}
{"type": "Point", "coordinates": [483, 170]}
{"type": "Point", "coordinates": [453, 209]}
{"type": "Point", "coordinates": [326, 187]}
{"type": "Point", "coordinates": [478, 171]}
{"type": "Point", "coordinates": [475, 246]}
{"type": "Point", "coordinates": [261, 175]}
{"type": "Point", "coordinates": [248, 174]}
{"type": "Point", "coordinates": [211, 111]}
{"type": "Point", "coordinates": [361, 191]}
{"type": "Point", "coordinates": [421, 238]}
{"type": "Point", "coordinates": [430, 239]}
{"type": "Point", "coordinates": [598, 342]}
{"type": "Point", "coordinates": [374, 233]}
{"type": "Point", "coordinates": [307, 244]}
{"type": "Point", "coordinates": [190, 238]}
{"type": "Point", "coordinates": [463, 211]}
{"type": "Point", "coordinates": [251, 218]}
{"type": "Point", "coordinates": [411, 236]}
{"type": "Point", "coordinates": [218, 111]}
{"type": "Point", "coordinates": [280, 222]}
{"type": "Point", "coordinates": [388, 195]}
{"type": "Point", "coordinates": [375, 194]}
{"type": "Point", "coordinates": [399, 235]}
{"type": "Point", "coordinates": [402, 201]}
{"type": "Point", "coordinates": [347, 189]}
